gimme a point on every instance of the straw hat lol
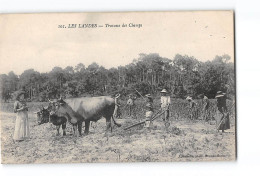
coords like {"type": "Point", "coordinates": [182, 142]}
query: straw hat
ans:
{"type": "Point", "coordinates": [189, 98]}
{"type": "Point", "coordinates": [205, 97]}
{"type": "Point", "coordinates": [148, 95]}
{"type": "Point", "coordinates": [164, 91]}
{"type": "Point", "coordinates": [219, 94]}
{"type": "Point", "coordinates": [117, 95]}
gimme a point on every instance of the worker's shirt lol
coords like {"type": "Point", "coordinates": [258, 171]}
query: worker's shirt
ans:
{"type": "Point", "coordinates": [149, 100]}
{"type": "Point", "coordinates": [192, 104]}
{"type": "Point", "coordinates": [221, 104]}
{"type": "Point", "coordinates": [165, 101]}
{"type": "Point", "coordinates": [205, 102]}
{"type": "Point", "coordinates": [148, 114]}
{"type": "Point", "coordinates": [130, 102]}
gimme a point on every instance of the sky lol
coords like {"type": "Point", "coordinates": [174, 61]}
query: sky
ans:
{"type": "Point", "coordinates": [35, 41]}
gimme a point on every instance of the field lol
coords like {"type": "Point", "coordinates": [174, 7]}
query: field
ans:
{"type": "Point", "coordinates": [184, 141]}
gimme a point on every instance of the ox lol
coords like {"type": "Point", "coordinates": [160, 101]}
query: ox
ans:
{"type": "Point", "coordinates": [45, 116]}
{"type": "Point", "coordinates": [87, 109]}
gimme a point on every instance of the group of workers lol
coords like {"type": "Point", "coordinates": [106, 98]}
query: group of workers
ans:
{"type": "Point", "coordinates": [221, 117]}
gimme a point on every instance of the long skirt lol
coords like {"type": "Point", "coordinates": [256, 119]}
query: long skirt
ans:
{"type": "Point", "coordinates": [21, 130]}
{"type": "Point", "coordinates": [222, 121]}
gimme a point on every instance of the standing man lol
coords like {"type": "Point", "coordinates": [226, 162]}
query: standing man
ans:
{"type": "Point", "coordinates": [130, 104]}
{"type": "Point", "coordinates": [149, 98]}
{"type": "Point", "coordinates": [117, 105]}
{"type": "Point", "coordinates": [149, 101]}
{"type": "Point", "coordinates": [165, 103]}
{"type": "Point", "coordinates": [205, 107]}
{"type": "Point", "coordinates": [148, 115]}
{"type": "Point", "coordinates": [192, 105]}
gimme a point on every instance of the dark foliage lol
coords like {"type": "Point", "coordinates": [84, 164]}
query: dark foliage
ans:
{"type": "Point", "coordinates": [181, 76]}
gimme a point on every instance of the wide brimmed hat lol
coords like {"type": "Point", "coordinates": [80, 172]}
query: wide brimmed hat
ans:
{"type": "Point", "coordinates": [164, 91]}
{"type": "Point", "coordinates": [117, 95]}
{"type": "Point", "coordinates": [205, 97]}
{"type": "Point", "coordinates": [18, 93]}
{"type": "Point", "coordinates": [189, 98]}
{"type": "Point", "coordinates": [219, 94]}
{"type": "Point", "coordinates": [148, 95]}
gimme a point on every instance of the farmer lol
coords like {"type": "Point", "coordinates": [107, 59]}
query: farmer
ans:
{"type": "Point", "coordinates": [117, 105]}
{"type": "Point", "coordinates": [130, 104]}
{"type": "Point", "coordinates": [148, 115]}
{"type": "Point", "coordinates": [149, 98]}
{"type": "Point", "coordinates": [21, 130]}
{"type": "Point", "coordinates": [222, 116]}
{"type": "Point", "coordinates": [192, 108]}
{"type": "Point", "coordinates": [205, 107]}
{"type": "Point", "coordinates": [165, 103]}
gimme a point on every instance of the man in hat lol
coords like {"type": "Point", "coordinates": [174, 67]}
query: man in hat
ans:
{"type": "Point", "coordinates": [192, 106]}
{"type": "Point", "coordinates": [149, 98]}
{"type": "Point", "coordinates": [130, 104]}
{"type": "Point", "coordinates": [205, 106]}
{"type": "Point", "coordinates": [222, 116]}
{"type": "Point", "coordinates": [165, 103]}
{"type": "Point", "coordinates": [117, 105]}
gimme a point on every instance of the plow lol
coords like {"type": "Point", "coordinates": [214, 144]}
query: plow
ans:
{"type": "Point", "coordinates": [155, 116]}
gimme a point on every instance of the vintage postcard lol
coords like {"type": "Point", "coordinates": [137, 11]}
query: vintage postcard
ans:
{"type": "Point", "coordinates": [117, 87]}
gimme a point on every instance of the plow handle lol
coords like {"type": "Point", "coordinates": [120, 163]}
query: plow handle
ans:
{"type": "Point", "coordinates": [139, 123]}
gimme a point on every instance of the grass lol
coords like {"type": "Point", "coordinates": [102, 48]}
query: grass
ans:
{"type": "Point", "coordinates": [184, 141]}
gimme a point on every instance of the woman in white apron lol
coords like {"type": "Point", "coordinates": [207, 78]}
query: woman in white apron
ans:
{"type": "Point", "coordinates": [21, 131]}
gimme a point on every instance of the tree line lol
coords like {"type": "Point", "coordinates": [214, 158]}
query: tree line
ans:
{"type": "Point", "coordinates": [149, 73]}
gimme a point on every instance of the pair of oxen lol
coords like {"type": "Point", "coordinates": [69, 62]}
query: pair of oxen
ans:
{"type": "Point", "coordinates": [76, 111]}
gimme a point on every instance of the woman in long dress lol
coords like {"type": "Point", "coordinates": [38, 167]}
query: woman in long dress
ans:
{"type": "Point", "coordinates": [222, 116]}
{"type": "Point", "coordinates": [21, 131]}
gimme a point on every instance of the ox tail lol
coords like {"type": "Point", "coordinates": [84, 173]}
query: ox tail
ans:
{"type": "Point", "coordinates": [117, 124]}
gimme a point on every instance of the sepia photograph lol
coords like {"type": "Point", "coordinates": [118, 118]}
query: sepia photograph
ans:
{"type": "Point", "coordinates": [117, 87]}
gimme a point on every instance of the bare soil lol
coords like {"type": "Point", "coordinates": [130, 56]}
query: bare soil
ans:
{"type": "Point", "coordinates": [184, 141]}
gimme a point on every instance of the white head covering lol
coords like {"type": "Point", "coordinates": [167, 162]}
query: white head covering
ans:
{"type": "Point", "coordinates": [189, 98]}
{"type": "Point", "coordinates": [148, 95]}
{"type": "Point", "coordinates": [164, 91]}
